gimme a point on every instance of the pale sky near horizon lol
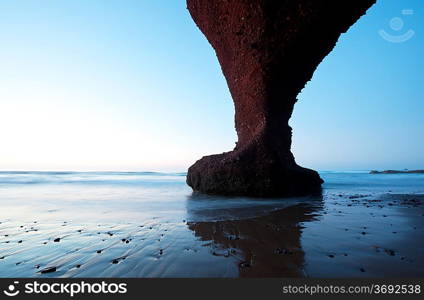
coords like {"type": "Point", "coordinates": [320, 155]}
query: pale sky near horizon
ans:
{"type": "Point", "coordinates": [133, 86]}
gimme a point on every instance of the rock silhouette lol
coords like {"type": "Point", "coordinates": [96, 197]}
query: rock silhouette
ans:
{"type": "Point", "coordinates": [268, 50]}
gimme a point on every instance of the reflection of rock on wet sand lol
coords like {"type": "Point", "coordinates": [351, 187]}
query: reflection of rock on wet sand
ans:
{"type": "Point", "coordinates": [347, 235]}
{"type": "Point", "coordinates": [266, 246]}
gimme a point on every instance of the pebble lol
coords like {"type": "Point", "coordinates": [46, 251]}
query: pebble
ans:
{"type": "Point", "coordinates": [48, 270]}
{"type": "Point", "coordinates": [389, 252]}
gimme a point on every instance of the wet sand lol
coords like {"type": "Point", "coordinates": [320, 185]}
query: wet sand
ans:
{"type": "Point", "coordinates": [364, 236]}
{"type": "Point", "coordinates": [337, 235]}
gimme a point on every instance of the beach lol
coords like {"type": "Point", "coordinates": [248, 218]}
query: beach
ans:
{"type": "Point", "coordinates": [129, 224]}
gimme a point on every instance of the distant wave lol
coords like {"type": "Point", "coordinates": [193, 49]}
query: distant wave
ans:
{"type": "Point", "coordinates": [71, 177]}
{"type": "Point", "coordinates": [344, 172]}
{"type": "Point", "coordinates": [37, 172]}
{"type": "Point", "coordinates": [94, 172]}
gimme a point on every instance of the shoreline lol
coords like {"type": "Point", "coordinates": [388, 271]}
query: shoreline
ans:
{"type": "Point", "coordinates": [339, 235]}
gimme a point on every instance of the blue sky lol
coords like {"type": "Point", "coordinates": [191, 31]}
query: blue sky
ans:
{"type": "Point", "coordinates": [134, 85]}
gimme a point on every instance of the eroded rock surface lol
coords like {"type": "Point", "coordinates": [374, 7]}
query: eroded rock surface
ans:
{"type": "Point", "coordinates": [268, 50]}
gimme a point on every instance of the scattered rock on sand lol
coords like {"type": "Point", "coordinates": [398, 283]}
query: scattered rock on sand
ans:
{"type": "Point", "coordinates": [390, 252]}
{"type": "Point", "coordinates": [48, 270]}
{"type": "Point", "coordinates": [244, 264]}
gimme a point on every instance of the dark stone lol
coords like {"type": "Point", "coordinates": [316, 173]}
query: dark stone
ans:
{"type": "Point", "coordinates": [48, 270]}
{"type": "Point", "coordinates": [268, 51]}
{"type": "Point", "coordinates": [390, 252]}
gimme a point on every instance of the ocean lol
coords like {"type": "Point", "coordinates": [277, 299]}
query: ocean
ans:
{"type": "Point", "coordinates": [150, 224]}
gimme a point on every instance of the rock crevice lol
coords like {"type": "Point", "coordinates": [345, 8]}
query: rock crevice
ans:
{"type": "Point", "coordinates": [268, 50]}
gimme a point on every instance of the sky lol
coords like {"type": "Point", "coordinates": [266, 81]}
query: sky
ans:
{"type": "Point", "coordinates": [132, 85]}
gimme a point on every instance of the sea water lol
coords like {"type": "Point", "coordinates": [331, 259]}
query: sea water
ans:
{"type": "Point", "coordinates": [140, 224]}
{"type": "Point", "coordinates": [131, 196]}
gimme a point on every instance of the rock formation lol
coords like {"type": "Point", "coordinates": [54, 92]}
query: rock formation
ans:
{"type": "Point", "coordinates": [268, 50]}
{"type": "Point", "coordinates": [397, 172]}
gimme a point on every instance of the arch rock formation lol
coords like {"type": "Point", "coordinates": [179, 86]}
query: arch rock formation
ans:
{"type": "Point", "coordinates": [268, 50]}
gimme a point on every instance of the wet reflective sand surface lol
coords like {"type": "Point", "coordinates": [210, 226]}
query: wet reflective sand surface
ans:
{"type": "Point", "coordinates": [151, 225]}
